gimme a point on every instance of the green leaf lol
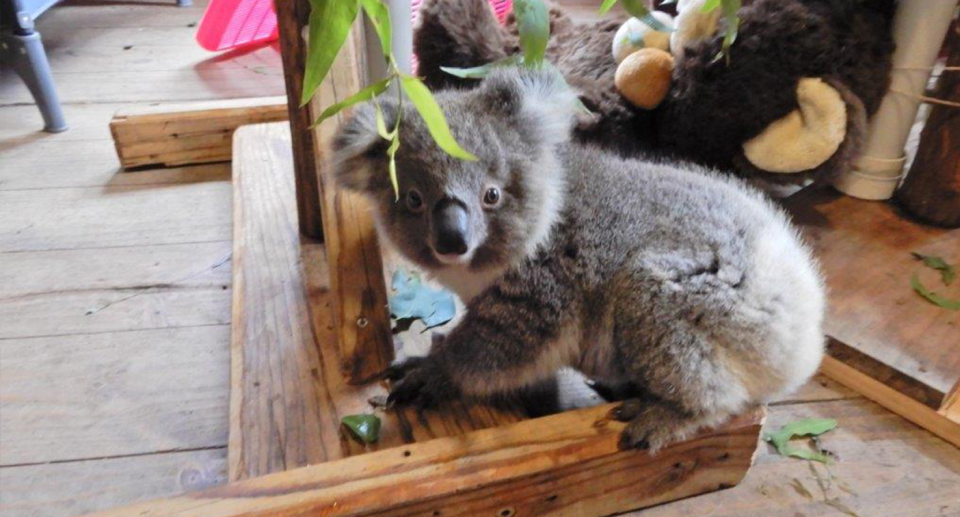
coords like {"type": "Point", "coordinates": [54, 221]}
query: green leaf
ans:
{"type": "Point", "coordinates": [379, 15]}
{"type": "Point", "coordinates": [433, 116]}
{"type": "Point", "coordinates": [799, 428]}
{"type": "Point", "coordinates": [932, 297]}
{"type": "Point", "coordinates": [363, 95]}
{"type": "Point", "coordinates": [730, 10]}
{"type": "Point", "coordinates": [947, 271]}
{"type": "Point", "coordinates": [479, 72]}
{"type": "Point", "coordinates": [364, 427]}
{"type": "Point", "coordinates": [392, 155]}
{"type": "Point", "coordinates": [607, 5]}
{"type": "Point", "coordinates": [709, 5]}
{"type": "Point", "coordinates": [637, 9]}
{"type": "Point", "coordinates": [533, 24]}
{"type": "Point", "coordinates": [329, 25]}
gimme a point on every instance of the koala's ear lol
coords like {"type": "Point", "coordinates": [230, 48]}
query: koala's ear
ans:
{"type": "Point", "coordinates": [540, 101]}
{"type": "Point", "coordinates": [359, 151]}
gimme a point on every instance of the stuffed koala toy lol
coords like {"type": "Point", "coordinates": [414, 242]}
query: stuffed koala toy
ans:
{"type": "Point", "coordinates": [789, 105]}
{"type": "Point", "coordinates": [686, 286]}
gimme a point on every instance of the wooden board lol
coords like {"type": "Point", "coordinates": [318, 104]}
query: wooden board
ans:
{"type": "Point", "coordinates": [356, 270]}
{"type": "Point", "coordinates": [864, 248]}
{"type": "Point", "coordinates": [188, 133]}
{"type": "Point", "coordinates": [74, 488]}
{"type": "Point", "coordinates": [80, 397]}
{"type": "Point", "coordinates": [288, 391]}
{"type": "Point", "coordinates": [555, 465]}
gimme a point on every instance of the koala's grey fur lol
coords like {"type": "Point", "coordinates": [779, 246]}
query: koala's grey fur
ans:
{"type": "Point", "coordinates": [687, 285]}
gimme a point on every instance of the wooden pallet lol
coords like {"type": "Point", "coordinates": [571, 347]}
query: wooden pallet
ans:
{"type": "Point", "coordinates": [886, 342]}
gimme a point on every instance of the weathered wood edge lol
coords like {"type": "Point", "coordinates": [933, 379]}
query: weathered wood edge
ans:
{"type": "Point", "coordinates": [361, 318]}
{"type": "Point", "coordinates": [545, 466]}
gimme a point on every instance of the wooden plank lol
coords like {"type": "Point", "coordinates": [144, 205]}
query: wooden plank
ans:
{"type": "Point", "coordinates": [72, 218]}
{"type": "Point", "coordinates": [68, 489]}
{"type": "Point", "coordinates": [951, 404]}
{"type": "Point", "coordinates": [186, 134]}
{"type": "Point", "coordinates": [292, 17]}
{"type": "Point", "coordinates": [64, 292]}
{"type": "Point", "coordinates": [356, 273]}
{"type": "Point", "coordinates": [121, 393]}
{"type": "Point", "coordinates": [892, 399]}
{"type": "Point", "coordinates": [562, 464]}
{"type": "Point", "coordinates": [288, 392]}
{"type": "Point", "coordinates": [864, 249]}
{"type": "Point", "coordinates": [886, 467]}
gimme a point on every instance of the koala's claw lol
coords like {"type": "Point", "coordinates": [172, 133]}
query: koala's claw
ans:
{"type": "Point", "coordinates": [417, 383]}
{"type": "Point", "coordinates": [651, 425]}
{"type": "Point", "coordinates": [400, 370]}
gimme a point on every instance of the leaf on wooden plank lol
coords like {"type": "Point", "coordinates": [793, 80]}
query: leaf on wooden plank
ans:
{"type": "Point", "coordinates": [479, 72]}
{"type": "Point", "coordinates": [363, 95]}
{"type": "Point", "coordinates": [365, 427]}
{"type": "Point", "coordinates": [805, 427]}
{"type": "Point", "coordinates": [932, 297]}
{"type": "Point", "coordinates": [436, 122]}
{"type": "Point", "coordinates": [379, 15]}
{"type": "Point", "coordinates": [947, 271]}
{"type": "Point", "coordinates": [329, 25]}
{"type": "Point", "coordinates": [414, 300]}
{"type": "Point", "coordinates": [638, 10]}
{"type": "Point", "coordinates": [533, 24]}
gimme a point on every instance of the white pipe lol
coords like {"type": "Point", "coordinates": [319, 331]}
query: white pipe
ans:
{"type": "Point", "coordinates": [919, 28]}
{"type": "Point", "coordinates": [401, 41]}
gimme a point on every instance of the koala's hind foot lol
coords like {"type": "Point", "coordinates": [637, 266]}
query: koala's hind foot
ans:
{"type": "Point", "coordinates": [653, 424]}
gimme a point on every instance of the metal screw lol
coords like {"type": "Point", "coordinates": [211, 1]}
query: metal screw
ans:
{"type": "Point", "coordinates": [362, 322]}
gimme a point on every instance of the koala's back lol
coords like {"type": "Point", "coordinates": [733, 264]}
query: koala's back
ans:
{"type": "Point", "coordinates": [696, 266]}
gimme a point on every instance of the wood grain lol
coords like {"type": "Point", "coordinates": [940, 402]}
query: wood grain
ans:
{"type": "Point", "coordinates": [200, 132]}
{"type": "Point", "coordinates": [356, 272]}
{"type": "Point", "coordinates": [555, 465]}
{"type": "Point", "coordinates": [79, 397]}
{"type": "Point", "coordinates": [68, 489]}
{"type": "Point", "coordinates": [288, 391]}
{"type": "Point", "coordinates": [931, 191]}
{"type": "Point", "coordinates": [292, 17]}
{"type": "Point", "coordinates": [864, 249]}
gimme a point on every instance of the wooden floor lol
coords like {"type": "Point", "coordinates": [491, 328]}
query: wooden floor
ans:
{"type": "Point", "coordinates": [115, 304]}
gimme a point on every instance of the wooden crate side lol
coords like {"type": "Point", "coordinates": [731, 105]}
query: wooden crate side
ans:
{"type": "Point", "coordinates": [563, 464]}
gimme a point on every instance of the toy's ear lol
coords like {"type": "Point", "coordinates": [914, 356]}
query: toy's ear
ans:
{"type": "Point", "coordinates": [358, 149]}
{"type": "Point", "coordinates": [806, 137]}
{"type": "Point", "coordinates": [539, 102]}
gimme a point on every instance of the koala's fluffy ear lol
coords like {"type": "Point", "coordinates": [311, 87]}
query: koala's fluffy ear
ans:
{"type": "Point", "coordinates": [359, 151]}
{"type": "Point", "coordinates": [540, 101]}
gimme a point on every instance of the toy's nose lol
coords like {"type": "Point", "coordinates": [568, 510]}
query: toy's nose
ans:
{"type": "Point", "coordinates": [452, 225]}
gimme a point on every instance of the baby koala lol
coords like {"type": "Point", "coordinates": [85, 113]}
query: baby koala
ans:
{"type": "Point", "coordinates": [684, 284]}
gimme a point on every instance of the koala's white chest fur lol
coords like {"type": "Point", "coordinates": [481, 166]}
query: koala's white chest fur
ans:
{"type": "Point", "coordinates": [466, 283]}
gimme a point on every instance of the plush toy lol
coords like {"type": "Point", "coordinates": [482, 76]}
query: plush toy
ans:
{"type": "Point", "coordinates": [788, 103]}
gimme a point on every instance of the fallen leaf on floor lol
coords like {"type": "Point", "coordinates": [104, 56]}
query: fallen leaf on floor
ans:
{"type": "Point", "coordinates": [837, 504]}
{"type": "Point", "coordinates": [947, 271]}
{"type": "Point", "coordinates": [364, 427]}
{"type": "Point", "coordinates": [798, 487]}
{"type": "Point", "coordinates": [414, 300]}
{"type": "Point", "coordinates": [800, 428]}
{"type": "Point", "coordinates": [932, 297]}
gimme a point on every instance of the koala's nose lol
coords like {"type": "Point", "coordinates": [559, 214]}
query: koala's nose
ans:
{"type": "Point", "coordinates": [452, 225]}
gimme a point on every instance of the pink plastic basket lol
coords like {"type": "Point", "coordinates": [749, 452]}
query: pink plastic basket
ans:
{"type": "Point", "coordinates": [228, 24]}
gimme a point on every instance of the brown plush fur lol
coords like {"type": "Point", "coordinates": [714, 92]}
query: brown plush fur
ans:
{"type": "Point", "coordinates": [714, 106]}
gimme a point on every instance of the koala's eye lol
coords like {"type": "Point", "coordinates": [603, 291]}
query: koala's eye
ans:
{"type": "Point", "coordinates": [491, 197]}
{"type": "Point", "coordinates": [414, 200]}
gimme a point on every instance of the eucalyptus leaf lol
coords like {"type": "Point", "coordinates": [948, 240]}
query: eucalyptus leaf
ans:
{"type": "Point", "coordinates": [411, 299]}
{"type": "Point", "coordinates": [947, 271]}
{"type": "Point", "coordinates": [379, 15]}
{"type": "Point", "coordinates": [639, 10]}
{"type": "Point", "coordinates": [329, 25]}
{"type": "Point", "coordinates": [436, 122]}
{"type": "Point", "coordinates": [805, 427]}
{"type": "Point", "coordinates": [709, 5]}
{"type": "Point", "coordinates": [607, 5]}
{"type": "Point", "coordinates": [479, 72]}
{"type": "Point", "coordinates": [392, 155]}
{"type": "Point", "coordinates": [730, 10]}
{"type": "Point", "coordinates": [533, 24]}
{"type": "Point", "coordinates": [932, 297]}
{"type": "Point", "coordinates": [365, 427]}
{"type": "Point", "coordinates": [363, 95]}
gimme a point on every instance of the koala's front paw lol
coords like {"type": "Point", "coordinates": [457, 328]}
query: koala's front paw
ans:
{"type": "Point", "coordinates": [419, 382]}
{"type": "Point", "coordinates": [651, 425]}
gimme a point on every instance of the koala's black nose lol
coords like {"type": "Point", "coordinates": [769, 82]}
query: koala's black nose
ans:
{"type": "Point", "coordinates": [452, 225]}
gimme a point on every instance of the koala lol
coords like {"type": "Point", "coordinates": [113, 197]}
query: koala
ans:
{"type": "Point", "coordinates": [684, 284]}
